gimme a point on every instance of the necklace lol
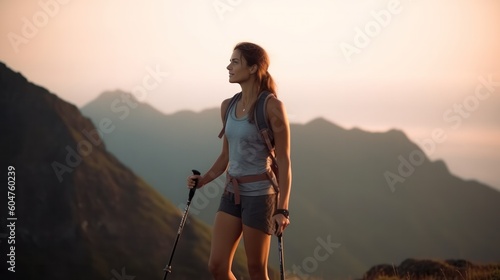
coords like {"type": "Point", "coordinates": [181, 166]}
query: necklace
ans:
{"type": "Point", "coordinates": [244, 106]}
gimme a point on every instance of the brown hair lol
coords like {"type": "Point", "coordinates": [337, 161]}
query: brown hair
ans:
{"type": "Point", "coordinates": [256, 55]}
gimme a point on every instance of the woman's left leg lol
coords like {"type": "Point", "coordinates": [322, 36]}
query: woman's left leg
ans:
{"type": "Point", "coordinates": [257, 245]}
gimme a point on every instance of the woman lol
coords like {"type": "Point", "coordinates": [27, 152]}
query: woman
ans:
{"type": "Point", "coordinates": [253, 209]}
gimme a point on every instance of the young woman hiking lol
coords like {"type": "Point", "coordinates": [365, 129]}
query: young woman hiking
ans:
{"type": "Point", "coordinates": [250, 205]}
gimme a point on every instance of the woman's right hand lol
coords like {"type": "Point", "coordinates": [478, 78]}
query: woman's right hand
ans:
{"type": "Point", "coordinates": [191, 181]}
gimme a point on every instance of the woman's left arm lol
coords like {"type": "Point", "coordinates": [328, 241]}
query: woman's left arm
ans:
{"type": "Point", "coordinates": [281, 130]}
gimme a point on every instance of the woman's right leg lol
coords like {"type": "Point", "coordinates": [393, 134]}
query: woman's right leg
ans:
{"type": "Point", "coordinates": [226, 235]}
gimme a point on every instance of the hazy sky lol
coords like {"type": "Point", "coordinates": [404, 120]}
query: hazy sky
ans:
{"type": "Point", "coordinates": [414, 65]}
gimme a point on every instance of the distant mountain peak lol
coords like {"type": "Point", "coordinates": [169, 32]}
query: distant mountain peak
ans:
{"type": "Point", "coordinates": [323, 122]}
{"type": "Point", "coordinates": [113, 93]}
{"type": "Point", "coordinates": [108, 96]}
{"type": "Point", "coordinates": [360, 184]}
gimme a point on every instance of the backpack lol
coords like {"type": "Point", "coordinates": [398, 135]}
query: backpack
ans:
{"type": "Point", "coordinates": [260, 120]}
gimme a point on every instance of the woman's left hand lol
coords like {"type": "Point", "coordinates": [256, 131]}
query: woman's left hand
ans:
{"type": "Point", "coordinates": [281, 223]}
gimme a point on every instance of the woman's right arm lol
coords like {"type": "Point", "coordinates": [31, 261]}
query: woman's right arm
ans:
{"type": "Point", "coordinates": [221, 163]}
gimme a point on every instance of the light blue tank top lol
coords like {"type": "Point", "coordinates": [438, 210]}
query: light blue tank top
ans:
{"type": "Point", "coordinates": [248, 154]}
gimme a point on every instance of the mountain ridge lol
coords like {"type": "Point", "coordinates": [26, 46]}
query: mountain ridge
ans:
{"type": "Point", "coordinates": [339, 191]}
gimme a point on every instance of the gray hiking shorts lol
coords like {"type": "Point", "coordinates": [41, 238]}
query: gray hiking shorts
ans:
{"type": "Point", "coordinates": [254, 211]}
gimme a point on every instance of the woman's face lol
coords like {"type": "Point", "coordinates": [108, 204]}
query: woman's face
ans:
{"type": "Point", "coordinates": [239, 71]}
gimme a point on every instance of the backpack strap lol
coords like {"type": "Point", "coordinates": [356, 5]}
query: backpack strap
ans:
{"type": "Point", "coordinates": [260, 118]}
{"type": "Point", "coordinates": [232, 102]}
{"type": "Point", "coordinates": [264, 128]}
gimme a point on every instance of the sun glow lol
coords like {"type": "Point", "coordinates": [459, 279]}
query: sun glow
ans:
{"type": "Point", "coordinates": [371, 64]}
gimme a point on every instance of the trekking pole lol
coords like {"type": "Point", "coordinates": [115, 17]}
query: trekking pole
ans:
{"type": "Point", "coordinates": [168, 268]}
{"type": "Point", "coordinates": [281, 256]}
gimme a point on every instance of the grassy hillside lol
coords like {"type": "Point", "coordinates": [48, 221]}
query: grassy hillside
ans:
{"type": "Point", "coordinates": [411, 269]}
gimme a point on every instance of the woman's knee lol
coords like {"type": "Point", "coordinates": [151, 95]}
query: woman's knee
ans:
{"type": "Point", "coordinates": [217, 267]}
{"type": "Point", "coordinates": [213, 267]}
{"type": "Point", "coordinates": [257, 270]}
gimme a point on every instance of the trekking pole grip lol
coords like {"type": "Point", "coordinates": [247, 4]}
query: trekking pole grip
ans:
{"type": "Point", "coordinates": [193, 190]}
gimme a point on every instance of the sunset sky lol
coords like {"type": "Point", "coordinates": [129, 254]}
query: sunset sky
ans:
{"type": "Point", "coordinates": [413, 65]}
